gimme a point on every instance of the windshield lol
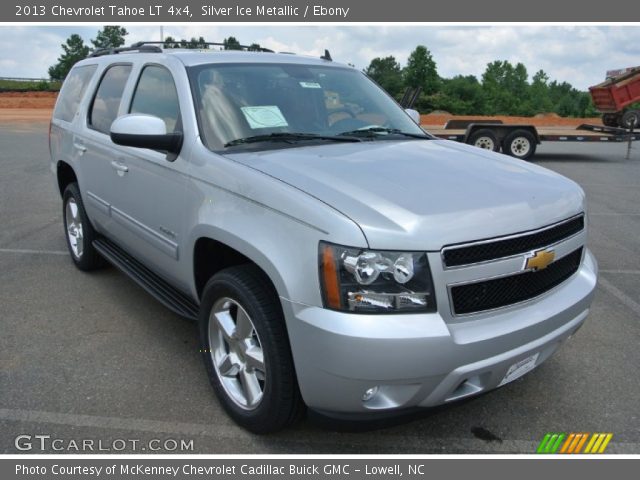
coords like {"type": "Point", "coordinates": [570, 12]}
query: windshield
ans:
{"type": "Point", "coordinates": [240, 104]}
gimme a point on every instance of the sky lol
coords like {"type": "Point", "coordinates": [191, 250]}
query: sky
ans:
{"type": "Point", "coordinates": [579, 55]}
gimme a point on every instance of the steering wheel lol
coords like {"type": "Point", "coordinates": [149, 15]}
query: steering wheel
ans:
{"type": "Point", "coordinates": [346, 110]}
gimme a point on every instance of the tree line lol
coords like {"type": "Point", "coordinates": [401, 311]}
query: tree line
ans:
{"type": "Point", "coordinates": [113, 36]}
{"type": "Point", "coordinates": [503, 89]}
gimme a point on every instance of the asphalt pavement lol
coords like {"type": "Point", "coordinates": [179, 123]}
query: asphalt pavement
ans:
{"type": "Point", "coordinates": [93, 358]}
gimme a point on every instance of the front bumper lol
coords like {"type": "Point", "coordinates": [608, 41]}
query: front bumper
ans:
{"type": "Point", "coordinates": [420, 360]}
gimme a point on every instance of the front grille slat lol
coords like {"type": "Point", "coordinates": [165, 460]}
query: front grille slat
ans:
{"type": "Point", "coordinates": [493, 250]}
{"type": "Point", "coordinates": [503, 291]}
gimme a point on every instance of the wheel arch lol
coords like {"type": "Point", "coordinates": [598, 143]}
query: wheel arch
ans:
{"type": "Point", "coordinates": [214, 251]}
{"type": "Point", "coordinates": [65, 174]}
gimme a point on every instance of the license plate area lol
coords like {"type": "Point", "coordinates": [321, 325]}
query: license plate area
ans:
{"type": "Point", "coordinates": [520, 368]}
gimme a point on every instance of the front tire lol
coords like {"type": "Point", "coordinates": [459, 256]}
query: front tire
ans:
{"type": "Point", "coordinates": [246, 350]}
{"type": "Point", "coordinates": [78, 231]}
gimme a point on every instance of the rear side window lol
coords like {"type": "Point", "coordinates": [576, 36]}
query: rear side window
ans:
{"type": "Point", "coordinates": [104, 108]}
{"type": "Point", "coordinates": [72, 92]}
{"type": "Point", "coordinates": [156, 95]}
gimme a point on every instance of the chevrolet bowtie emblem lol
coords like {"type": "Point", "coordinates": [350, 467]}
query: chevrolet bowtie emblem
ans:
{"type": "Point", "coordinates": [538, 260]}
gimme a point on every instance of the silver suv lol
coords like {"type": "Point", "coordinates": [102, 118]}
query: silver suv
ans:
{"type": "Point", "coordinates": [335, 255]}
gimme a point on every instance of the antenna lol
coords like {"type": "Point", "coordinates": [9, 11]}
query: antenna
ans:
{"type": "Point", "coordinates": [327, 56]}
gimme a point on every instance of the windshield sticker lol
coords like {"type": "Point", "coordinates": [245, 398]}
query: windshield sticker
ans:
{"type": "Point", "coordinates": [267, 116]}
{"type": "Point", "coordinates": [310, 85]}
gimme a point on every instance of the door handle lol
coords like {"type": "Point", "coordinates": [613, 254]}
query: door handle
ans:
{"type": "Point", "coordinates": [80, 147]}
{"type": "Point", "coordinates": [119, 167]}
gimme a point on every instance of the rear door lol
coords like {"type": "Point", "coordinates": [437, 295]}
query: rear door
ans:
{"type": "Point", "coordinates": [65, 121]}
{"type": "Point", "coordinates": [100, 159]}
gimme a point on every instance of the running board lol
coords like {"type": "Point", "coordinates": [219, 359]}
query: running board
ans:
{"type": "Point", "coordinates": [171, 298]}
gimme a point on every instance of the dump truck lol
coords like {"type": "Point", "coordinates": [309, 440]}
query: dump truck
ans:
{"type": "Point", "coordinates": [612, 98]}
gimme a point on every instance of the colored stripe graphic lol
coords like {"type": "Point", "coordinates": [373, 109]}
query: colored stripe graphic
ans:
{"type": "Point", "coordinates": [598, 443]}
{"type": "Point", "coordinates": [550, 443]}
{"type": "Point", "coordinates": [573, 443]}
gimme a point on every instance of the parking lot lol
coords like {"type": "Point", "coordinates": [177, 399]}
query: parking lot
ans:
{"type": "Point", "coordinates": [92, 356]}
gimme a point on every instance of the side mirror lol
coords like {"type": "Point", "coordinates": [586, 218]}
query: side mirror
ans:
{"type": "Point", "coordinates": [144, 131]}
{"type": "Point", "coordinates": [414, 114]}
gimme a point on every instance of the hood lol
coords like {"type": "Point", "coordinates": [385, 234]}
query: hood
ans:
{"type": "Point", "coordinates": [422, 195]}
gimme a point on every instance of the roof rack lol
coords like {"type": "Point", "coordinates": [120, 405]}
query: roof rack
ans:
{"type": "Point", "coordinates": [152, 47]}
{"type": "Point", "coordinates": [184, 43]}
{"type": "Point", "coordinates": [136, 47]}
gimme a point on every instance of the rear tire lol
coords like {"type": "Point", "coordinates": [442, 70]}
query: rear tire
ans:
{"type": "Point", "coordinates": [630, 119]}
{"type": "Point", "coordinates": [519, 144]}
{"type": "Point", "coordinates": [486, 139]}
{"type": "Point", "coordinates": [78, 231]}
{"type": "Point", "coordinates": [245, 348]}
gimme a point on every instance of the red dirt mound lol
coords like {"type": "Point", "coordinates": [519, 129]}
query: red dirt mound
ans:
{"type": "Point", "coordinates": [28, 99]}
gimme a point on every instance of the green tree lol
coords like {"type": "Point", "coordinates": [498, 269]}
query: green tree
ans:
{"type": "Point", "coordinates": [460, 95]}
{"type": "Point", "coordinates": [74, 50]}
{"type": "Point", "coordinates": [170, 42]}
{"type": "Point", "coordinates": [421, 71]}
{"type": "Point", "coordinates": [539, 99]}
{"type": "Point", "coordinates": [563, 98]}
{"type": "Point", "coordinates": [254, 47]}
{"type": "Point", "coordinates": [197, 43]}
{"type": "Point", "coordinates": [519, 89]}
{"type": "Point", "coordinates": [387, 73]}
{"type": "Point", "coordinates": [586, 108]}
{"type": "Point", "coordinates": [111, 36]}
{"type": "Point", "coordinates": [231, 43]}
{"type": "Point", "coordinates": [504, 88]}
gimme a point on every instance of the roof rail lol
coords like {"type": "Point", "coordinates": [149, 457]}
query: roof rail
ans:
{"type": "Point", "coordinates": [136, 47]}
{"type": "Point", "coordinates": [184, 43]}
{"type": "Point", "coordinates": [152, 47]}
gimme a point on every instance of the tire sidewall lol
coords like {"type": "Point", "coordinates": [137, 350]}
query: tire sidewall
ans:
{"type": "Point", "coordinates": [512, 137]}
{"type": "Point", "coordinates": [484, 133]}
{"type": "Point", "coordinates": [70, 192]}
{"type": "Point", "coordinates": [628, 117]}
{"type": "Point", "coordinates": [90, 259]}
{"type": "Point", "coordinates": [223, 285]}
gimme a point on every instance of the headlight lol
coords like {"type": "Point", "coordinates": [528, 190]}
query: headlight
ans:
{"type": "Point", "coordinates": [370, 281]}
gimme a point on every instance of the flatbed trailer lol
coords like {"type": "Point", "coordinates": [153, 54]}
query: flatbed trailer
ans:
{"type": "Point", "coordinates": [520, 141]}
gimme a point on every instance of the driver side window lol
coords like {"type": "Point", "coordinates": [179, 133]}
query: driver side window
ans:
{"type": "Point", "coordinates": [156, 95]}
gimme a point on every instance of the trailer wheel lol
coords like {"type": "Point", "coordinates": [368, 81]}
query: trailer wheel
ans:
{"type": "Point", "coordinates": [610, 119]}
{"type": "Point", "coordinates": [486, 139]}
{"type": "Point", "coordinates": [519, 144]}
{"type": "Point", "coordinates": [630, 119]}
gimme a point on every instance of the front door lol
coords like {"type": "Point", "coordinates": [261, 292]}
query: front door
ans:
{"type": "Point", "coordinates": [152, 183]}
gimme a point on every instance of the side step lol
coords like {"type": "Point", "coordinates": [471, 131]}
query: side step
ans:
{"type": "Point", "coordinates": [163, 292]}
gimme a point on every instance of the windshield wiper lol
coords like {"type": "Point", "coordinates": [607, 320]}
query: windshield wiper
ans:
{"type": "Point", "coordinates": [373, 132]}
{"type": "Point", "coordinates": [289, 136]}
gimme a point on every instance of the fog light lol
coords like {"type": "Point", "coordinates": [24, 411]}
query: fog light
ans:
{"type": "Point", "coordinates": [369, 394]}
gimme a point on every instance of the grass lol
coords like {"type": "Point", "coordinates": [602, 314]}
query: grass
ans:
{"type": "Point", "coordinates": [29, 86]}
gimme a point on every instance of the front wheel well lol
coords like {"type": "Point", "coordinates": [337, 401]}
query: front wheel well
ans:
{"type": "Point", "coordinates": [65, 175]}
{"type": "Point", "coordinates": [210, 256]}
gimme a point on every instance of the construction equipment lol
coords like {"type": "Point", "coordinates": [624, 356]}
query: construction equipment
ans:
{"type": "Point", "coordinates": [615, 94]}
